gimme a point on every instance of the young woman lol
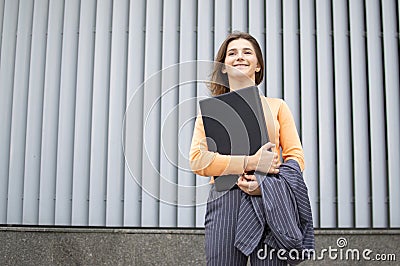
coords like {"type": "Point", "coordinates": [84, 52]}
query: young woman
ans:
{"type": "Point", "coordinates": [239, 64]}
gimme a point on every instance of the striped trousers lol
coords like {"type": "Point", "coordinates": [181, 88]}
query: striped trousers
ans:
{"type": "Point", "coordinates": [220, 226]}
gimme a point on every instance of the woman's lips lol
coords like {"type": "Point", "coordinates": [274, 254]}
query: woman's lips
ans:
{"type": "Point", "coordinates": [240, 66]}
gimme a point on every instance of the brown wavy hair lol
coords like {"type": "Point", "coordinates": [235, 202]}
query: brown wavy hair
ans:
{"type": "Point", "coordinates": [219, 83]}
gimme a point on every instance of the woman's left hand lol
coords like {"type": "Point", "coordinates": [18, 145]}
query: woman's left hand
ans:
{"type": "Point", "coordinates": [249, 184]}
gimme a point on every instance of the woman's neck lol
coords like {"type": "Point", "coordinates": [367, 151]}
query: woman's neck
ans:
{"type": "Point", "coordinates": [240, 84]}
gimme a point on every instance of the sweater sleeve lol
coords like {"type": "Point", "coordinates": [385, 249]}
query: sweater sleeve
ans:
{"type": "Point", "coordinates": [206, 163]}
{"type": "Point", "coordinates": [288, 136]}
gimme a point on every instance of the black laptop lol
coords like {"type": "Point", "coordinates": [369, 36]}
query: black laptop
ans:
{"type": "Point", "coordinates": [234, 124]}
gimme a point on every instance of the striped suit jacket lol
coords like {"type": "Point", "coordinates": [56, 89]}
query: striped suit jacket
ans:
{"type": "Point", "coordinates": [282, 213]}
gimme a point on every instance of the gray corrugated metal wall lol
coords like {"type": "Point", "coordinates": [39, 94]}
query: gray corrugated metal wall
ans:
{"type": "Point", "coordinates": [70, 69]}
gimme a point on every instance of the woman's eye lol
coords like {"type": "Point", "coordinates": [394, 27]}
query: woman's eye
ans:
{"type": "Point", "coordinates": [231, 53]}
{"type": "Point", "coordinates": [248, 52]}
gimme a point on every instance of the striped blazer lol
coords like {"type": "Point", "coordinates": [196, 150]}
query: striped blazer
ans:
{"type": "Point", "coordinates": [283, 211]}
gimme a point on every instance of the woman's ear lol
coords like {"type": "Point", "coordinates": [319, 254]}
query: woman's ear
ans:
{"type": "Point", "coordinates": [258, 68]}
{"type": "Point", "coordinates": [223, 70]}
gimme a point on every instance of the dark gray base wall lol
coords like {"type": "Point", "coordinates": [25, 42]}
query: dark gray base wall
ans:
{"type": "Point", "coordinates": [87, 246]}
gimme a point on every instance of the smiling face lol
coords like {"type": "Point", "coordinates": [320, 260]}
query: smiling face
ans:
{"type": "Point", "coordinates": [240, 61]}
{"type": "Point", "coordinates": [225, 77]}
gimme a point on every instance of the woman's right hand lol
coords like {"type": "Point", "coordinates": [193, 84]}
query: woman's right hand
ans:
{"type": "Point", "coordinates": [264, 160]}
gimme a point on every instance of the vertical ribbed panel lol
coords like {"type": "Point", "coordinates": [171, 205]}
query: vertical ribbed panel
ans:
{"type": "Point", "coordinates": [205, 54]}
{"type": "Point", "coordinates": [221, 22]}
{"type": "Point", "coordinates": [376, 114]}
{"type": "Point", "coordinates": [240, 16]}
{"type": "Point", "coordinates": [169, 115]}
{"type": "Point", "coordinates": [35, 113]}
{"type": "Point", "coordinates": [66, 116]}
{"type": "Point", "coordinates": [151, 114]}
{"type": "Point", "coordinates": [361, 147]}
{"type": "Point", "coordinates": [7, 71]}
{"type": "Point", "coordinates": [1, 20]}
{"type": "Point", "coordinates": [344, 153]}
{"type": "Point", "coordinates": [48, 164]}
{"type": "Point", "coordinates": [18, 114]}
{"type": "Point", "coordinates": [115, 164]}
{"type": "Point", "coordinates": [256, 27]}
{"type": "Point", "coordinates": [98, 100]}
{"type": "Point", "coordinates": [326, 115]}
{"type": "Point", "coordinates": [291, 60]}
{"type": "Point", "coordinates": [83, 113]}
{"type": "Point", "coordinates": [309, 113]}
{"type": "Point", "coordinates": [134, 115]}
{"type": "Point", "coordinates": [99, 130]}
{"type": "Point", "coordinates": [392, 93]}
{"type": "Point", "coordinates": [273, 56]}
{"type": "Point", "coordinates": [187, 111]}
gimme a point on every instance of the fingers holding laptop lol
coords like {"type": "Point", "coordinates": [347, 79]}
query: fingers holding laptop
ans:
{"type": "Point", "coordinates": [264, 160]}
